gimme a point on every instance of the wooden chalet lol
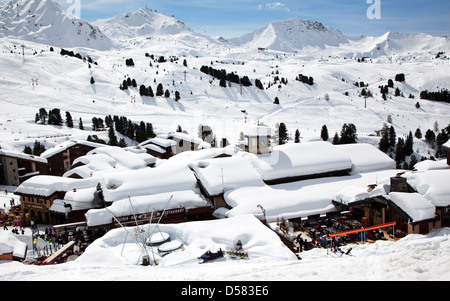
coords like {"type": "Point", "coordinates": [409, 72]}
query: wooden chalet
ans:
{"type": "Point", "coordinates": [385, 209]}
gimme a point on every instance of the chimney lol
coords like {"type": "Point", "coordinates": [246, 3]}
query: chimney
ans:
{"type": "Point", "coordinates": [399, 184]}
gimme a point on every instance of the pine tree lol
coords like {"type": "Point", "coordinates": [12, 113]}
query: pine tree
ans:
{"type": "Point", "coordinates": [27, 150]}
{"type": "Point", "coordinates": [324, 133]}
{"type": "Point", "coordinates": [80, 124]}
{"type": "Point", "coordinates": [418, 134]}
{"type": "Point", "coordinates": [112, 137]}
{"type": "Point", "coordinates": [400, 151]}
{"type": "Point", "coordinates": [69, 120]}
{"type": "Point", "coordinates": [122, 143]}
{"type": "Point", "coordinates": [336, 139]}
{"type": "Point", "coordinates": [384, 141]}
{"type": "Point", "coordinates": [409, 143]}
{"type": "Point", "coordinates": [130, 130]}
{"type": "Point", "coordinates": [54, 117]}
{"type": "Point", "coordinates": [177, 96]}
{"type": "Point", "coordinates": [160, 90]}
{"type": "Point", "coordinates": [297, 136]}
{"type": "Point", "coordinates": [392, 137]}
{"type": "Point", "coordinates": [430, 137]}
{"type": "Point", "coordinates": [38, 148]}
{"type": "Point", "coordinates": [348, 134]}
{"type": "Point", "coordinates": [149, 130]}
{"type": "Point", "coordinates": [43, 115]}
{"type": "Point", "coordinates": [282, 134]}
{"type": "Point", "coordinates": [92, 80]}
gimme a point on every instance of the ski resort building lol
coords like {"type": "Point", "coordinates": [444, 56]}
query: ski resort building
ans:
{"type": "Point", "coordinates": [61, 157]}
{"type": "Point", "coordinates": [168, 145]}
{"type": "Point", "coordinates": [259, 140]}
{"type": "Point", "coordinates": [15, 167]}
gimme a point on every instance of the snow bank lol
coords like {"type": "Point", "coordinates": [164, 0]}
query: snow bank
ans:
{"type": "Point", "coordinates": [10, 244]}
{"type": "Point", "coordinates": [118, 247]}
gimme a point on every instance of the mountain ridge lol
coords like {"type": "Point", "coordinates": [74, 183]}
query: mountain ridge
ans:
{"type": "Point", "coordinates": [45, 21]}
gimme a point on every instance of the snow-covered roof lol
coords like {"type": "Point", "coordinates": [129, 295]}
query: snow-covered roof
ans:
{"type": "Point", "coordinates": [432, 184]}
{"type": "Point", "coordinates": [365, 157]}
{"type": "Point", "coordinates": [47, 185]}
{"type": "Point", "coordinates": [144, 204]}
{"type": "Point", "coordinates": [415, 205]}
{"type": "Point", "coordinates": [185, 137]}
{"type": "Point", "coordinates": [219, 175]}
{"type": "Point", "coordinates": [352, 193]}
{"type": "Point", "coordinates": [68, 144]}
{"type": "Point", "coordinates": [301, 159]}
{"type": "Point", "coordinates": [431, 164]}
{"type": "Point", "coordinates": [23, 156]}
{"type": "Point", "coordinates": [297, 199]}
{"type": "Point", "coordinates": [125, 158]}
{"type": "Point", "coordinates": [259, 131]}
{"type": "Point", "coordinates": [162, 142]}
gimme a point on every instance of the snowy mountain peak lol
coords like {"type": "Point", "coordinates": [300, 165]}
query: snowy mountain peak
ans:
{"type": "Point", "coordinates": [45, 21]}
{"type": "Point", "coordinates": [291, 35]}
{"type": "Point", "coordinates": [143, 22]}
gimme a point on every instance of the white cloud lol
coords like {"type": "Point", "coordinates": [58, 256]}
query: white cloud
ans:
{"type": "Point", "coordinates": [274, 5]}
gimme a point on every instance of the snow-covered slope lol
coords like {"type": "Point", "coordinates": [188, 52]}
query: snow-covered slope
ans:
{"type": "Point", "coordinates": [44, 21]}
{"type": "Point", "coordinates": [291, 35]}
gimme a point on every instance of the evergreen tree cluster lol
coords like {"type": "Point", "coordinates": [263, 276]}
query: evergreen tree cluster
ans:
{"type": "Point", "coordinates": [223, 76]}
{"type": "Point", "coordinates": [138, 132]}
{"type": "Point", "coordinates": [128, 83]}
{"type": "Point", "coordinates": [400, 77]}
{"type": "Point", "coordinates": [77, 55]}
{"type": "Point", "coordinates": [53, 117]}
{"type": "Point", "coordinates": [129, 62]}
{"type": "Point", "coordinates": [442, 96]}
{"type": "Point", "coordinates": [309, 80]}
{"type": "Point", "coordinates": [37, 149]}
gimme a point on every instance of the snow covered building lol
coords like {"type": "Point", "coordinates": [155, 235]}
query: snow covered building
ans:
{"type": "Point", "coordinates": [60, 158]}
{"type": "Point", "coordinates": [170, 189]}
{"type": "Point", "coordinates": [417, 201]}
{"type": "Point", "coordinates": [259, 140]}
{"type": "Point", "coordinates": [42, 198]}
{"type": "Point", "coordinates": [168, 145]}
{"type": "Point", "coordinates": [17, 167]}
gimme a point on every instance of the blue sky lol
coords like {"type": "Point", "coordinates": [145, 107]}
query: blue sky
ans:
{"type": "Point", "coordinates": [232, 18]}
